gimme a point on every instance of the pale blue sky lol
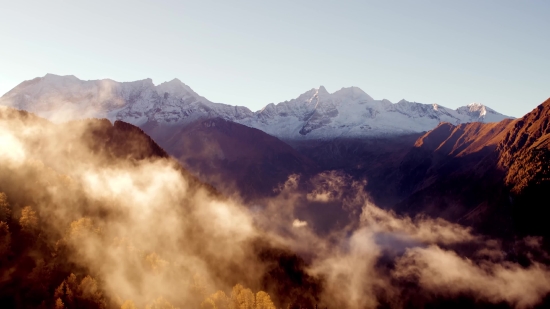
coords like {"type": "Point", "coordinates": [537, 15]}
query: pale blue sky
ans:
{"type": "Point", "coordinates": [255, 52]}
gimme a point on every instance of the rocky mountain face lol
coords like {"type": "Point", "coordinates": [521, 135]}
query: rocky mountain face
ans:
{"type": "Point", "coordinates": [314, 115]}
{"type": "Point", "coordinates": [492, 176]}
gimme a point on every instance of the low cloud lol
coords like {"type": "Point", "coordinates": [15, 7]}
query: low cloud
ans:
{"type": "Point", "coordinates": [421, 228]}
{"type": "Point", "coordinates": [445, 272]}
{"type": "Point", "coordinates": [299, 223]}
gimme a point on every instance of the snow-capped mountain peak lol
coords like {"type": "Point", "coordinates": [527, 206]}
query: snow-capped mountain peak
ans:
{"type": "Point", "coordinates": [353, 93]}
{"type": "Point", "coordinates": [477, 108]}
{"type": "Point", "coordinates": [322, 90]}
{"type": "Point", "coordinates": [480, 112]}
{"type": "Point", "coordinates": [352, 113]}
{"type": "Point", "coordinates": [315, 114]}
{"type": "Point", "coordinates": [175, 87]}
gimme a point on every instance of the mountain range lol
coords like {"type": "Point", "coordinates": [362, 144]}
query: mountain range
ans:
{"type": "Point", "coordinates": [314, 115]}
{"type": "Point", "coordinates": [471, 165]}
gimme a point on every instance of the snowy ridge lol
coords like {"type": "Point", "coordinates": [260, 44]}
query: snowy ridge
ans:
{"type": "Point", "coordinates": [316, 114]}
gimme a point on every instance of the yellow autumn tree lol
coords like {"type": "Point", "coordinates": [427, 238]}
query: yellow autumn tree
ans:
{"type": "Point", "coordinates": [89, 289]}
{"type": "Point", "coordinates": [263, 301]}
{"type": "Point", "coordinates": [218, 300]}
{"type": "Point", "coordinates": [242, 298]}
{"type": "Point", "coordinates": [28, 220]}
{"type": "Point", "coordinates": [59, 304]}
{"type": "Point", "coordinates": [82, 228]}
{"type": "Point", "coordinates": [80, 231]}
{"type": "Point", "coordinates": [155, 263]}
{"type": "Point", "coordinates": [72, 294]}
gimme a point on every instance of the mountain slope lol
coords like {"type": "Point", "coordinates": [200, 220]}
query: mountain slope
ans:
{"type": "Point", "coordinates": [233, 157]}
{"type": "Point", "coordinates": [493, 176]}
{"type": "Point", "coordinates": [525, 153]}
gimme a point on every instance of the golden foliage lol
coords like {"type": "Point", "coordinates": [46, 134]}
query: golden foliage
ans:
{"type": "Point", "coordinates": [29, 219]}
{"type": "Point", "coordinates": [155, 263]}
{"type": "Point", "coordinates": [208, 304]}
{"type": "Point", "coordinates": [89, 289]}
{"type": "Point", "coordinates": [218, 300]}
{"type": "Point", "coordinates": [71, 294]}
{"type": "Point", "coordinates": [82, 227]}
{"type": "Point", "coordinates": [241, 298]}
{"type": "Point", "coordinates": [59, 304]}
{"type": "Point", "coordinates": [263, 301]}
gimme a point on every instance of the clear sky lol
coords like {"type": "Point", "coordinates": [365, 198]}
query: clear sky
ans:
{"type": "Point", "coordinates": [496, 52]}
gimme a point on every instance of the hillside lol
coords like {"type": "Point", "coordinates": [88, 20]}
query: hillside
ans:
{"type": "Point", "coordinates": [233, 157]}
{"type": "Point", "coordinates": [489, 175]}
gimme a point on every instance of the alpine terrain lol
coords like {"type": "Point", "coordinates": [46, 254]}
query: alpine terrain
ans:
{"type": "Point", "coordinates": [314, 115]}
{"type": "Point", "coordinates": [229, 146]}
